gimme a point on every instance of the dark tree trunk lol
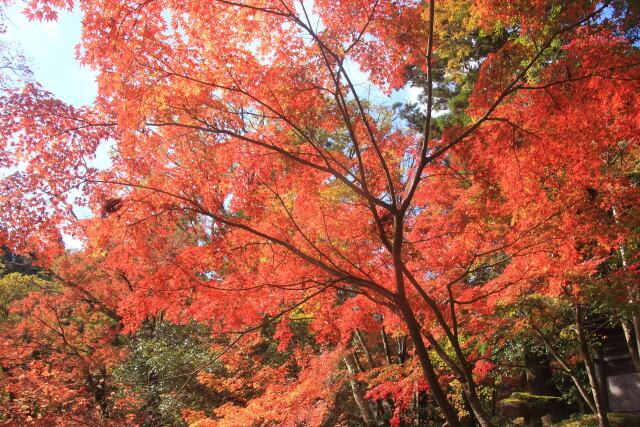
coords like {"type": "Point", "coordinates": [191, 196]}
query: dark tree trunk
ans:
{"type": "Point", "coordinates": [427, 367]}
{"type": "Point", "coordinates": [385, 344]}
{"type": "Point", "coordinates": [601, 413]}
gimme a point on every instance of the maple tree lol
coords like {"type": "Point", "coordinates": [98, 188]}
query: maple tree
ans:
{"type": "Point", "coordinates": [254, 184]}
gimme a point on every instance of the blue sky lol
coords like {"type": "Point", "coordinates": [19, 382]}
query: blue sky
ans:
{"type": "Point", "coordinates": [50, 51]}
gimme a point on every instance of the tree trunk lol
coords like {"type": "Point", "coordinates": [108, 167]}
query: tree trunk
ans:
{"type": "Point", "coordinates": [636, 327]}
{"type": "Point", "coordinates": [365, 348]}
{"type": "Point", "coordinates": [387, 352]}
{"type": "Point", "coordinates": [567, 368]}
{"type": "Point", "coordinates": [385, 344]}
{"type": "Point", "coordinates": [358, 366]}
{"type": "Point", "coordinates": [482, 417]}
{"type": "Point", "coordinates": [631, 340]}
{"type": "Point", "coordinates": [470, 420]}
{"type": "Point", "coordinates": [402, 349]}
{"type": "Point", "coordinates": [358, 396]}
{"type": "Point", "coordinates": [631, 328]}
{"type": "Point", "coordinates": [601, 413]}
{"type": "Point", "coordinates": [427, 367]}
